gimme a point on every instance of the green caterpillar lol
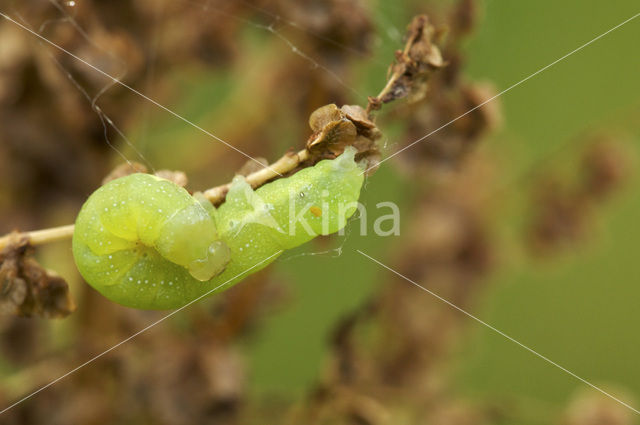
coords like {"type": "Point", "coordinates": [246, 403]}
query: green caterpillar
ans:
{"type": "Point", "coordinates": [144, 242]}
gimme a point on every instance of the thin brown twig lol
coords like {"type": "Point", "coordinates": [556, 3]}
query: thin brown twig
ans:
{"type": "Point", "coordinates": [287, 163]}
{"type": "Point", "coordinates": [40, 237]}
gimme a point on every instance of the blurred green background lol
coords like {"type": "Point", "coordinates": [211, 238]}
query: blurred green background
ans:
{"type": "Point", "coordinates": [581, 309]}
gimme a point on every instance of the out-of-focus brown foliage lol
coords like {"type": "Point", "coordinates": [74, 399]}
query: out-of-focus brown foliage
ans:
{"type": "Point", "coordinates": [338, 26]}
{"type": "Point", "coordinates": [593, 408]}
{"type": "Point", "coordinates": [193, 373]}
{"type": "Point", "coordinates": [563, 211]}
{"type": "Point", "coordinates": [337, 31]}
{"type": "Point", "coordinates": [446, 148]}
{"type": "Point", "coordinates": [26, 289]}
{"type": "Point", "coordinates": [605, 166]}
{"type": "Point", "coordinates": [559, 217]}
{"type": "Point", "coordinates": [195, 380]}
{"type": "Point", "coordinates": [393, 351]}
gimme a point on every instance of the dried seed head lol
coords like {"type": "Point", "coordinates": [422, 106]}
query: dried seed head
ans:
{"type": "Point", "coordinates": [26, 288]}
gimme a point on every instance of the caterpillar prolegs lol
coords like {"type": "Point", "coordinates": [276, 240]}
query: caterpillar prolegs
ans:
{"type": "Point", "coordinates": [145, 242]}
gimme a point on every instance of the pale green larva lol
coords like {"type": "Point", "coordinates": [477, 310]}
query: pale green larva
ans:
{"type": "Point", "coordinates": [144, 242]}
{"type": "Point", "coordinates": [139, 238]}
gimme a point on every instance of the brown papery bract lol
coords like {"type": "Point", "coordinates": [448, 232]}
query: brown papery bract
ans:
{"type": "Point", "coordinates": [27, 289]}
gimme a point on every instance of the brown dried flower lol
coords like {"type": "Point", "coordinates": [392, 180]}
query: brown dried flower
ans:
{"type": "Point", "coordinates": [409, 73]}
{"type": "Point", "coordinates": [26, 288]}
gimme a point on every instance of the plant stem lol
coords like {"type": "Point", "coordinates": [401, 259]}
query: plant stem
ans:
{"type": "Point", "coordinates": [40, 237]}
{"type": "Point", "coordinates": [287, 163]}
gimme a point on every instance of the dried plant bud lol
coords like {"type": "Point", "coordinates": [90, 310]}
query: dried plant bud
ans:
{"type": "Point", "coordinates": [483, 119]}
{"type": "Point", "coordinates": [563, 212]}
{"type": "Point", "coordinates": [223, 371]}
{"type": "Point", "coordinates": [128, 168]}
{"type": "Point", "coordinates": [464, 18]}
{"type": "Point", "coordinates": [448, 233]}
{"type": "Point", "coordinates": [332, 132]}
{"type": "Point", "coordinates": [368, 151]}
{"type": "Point", "coordinates": [335, 128]}
{"type": "Point", "coordinates": [26, 288]}
{"type": "Point", "coordinates": [559, 217]}
{"type": "Point", "coordinates": [605, 166]}
{"type": "Point", "coordinates": [123, 170]}
{"type": "Point", "coordinates": [14, 289]}
{"type": "Point", "coordinates": [358, 115]}
{"type": "Point", "coordinates": [348, 362]}
{"type": "Point", "coordinates": [334, 24]}
{"type": "Point", "coordinates": [446, 149]}
{"type": "Point", "coordinates": [177, 177]}
{"type": "Point", "coordinates": [413, 65]}
{"type": "Point", "coordinates": [424, 55]}
{"type": "Point", "coordinates": [591, 408]}
{"type": "Point", "coordinates": [323, 116]}
{"type": "Point", "coordinates": [458, 412]}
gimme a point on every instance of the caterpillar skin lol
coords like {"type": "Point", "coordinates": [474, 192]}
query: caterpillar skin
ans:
{"type": "Point", "coordinates": [144, 242]}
